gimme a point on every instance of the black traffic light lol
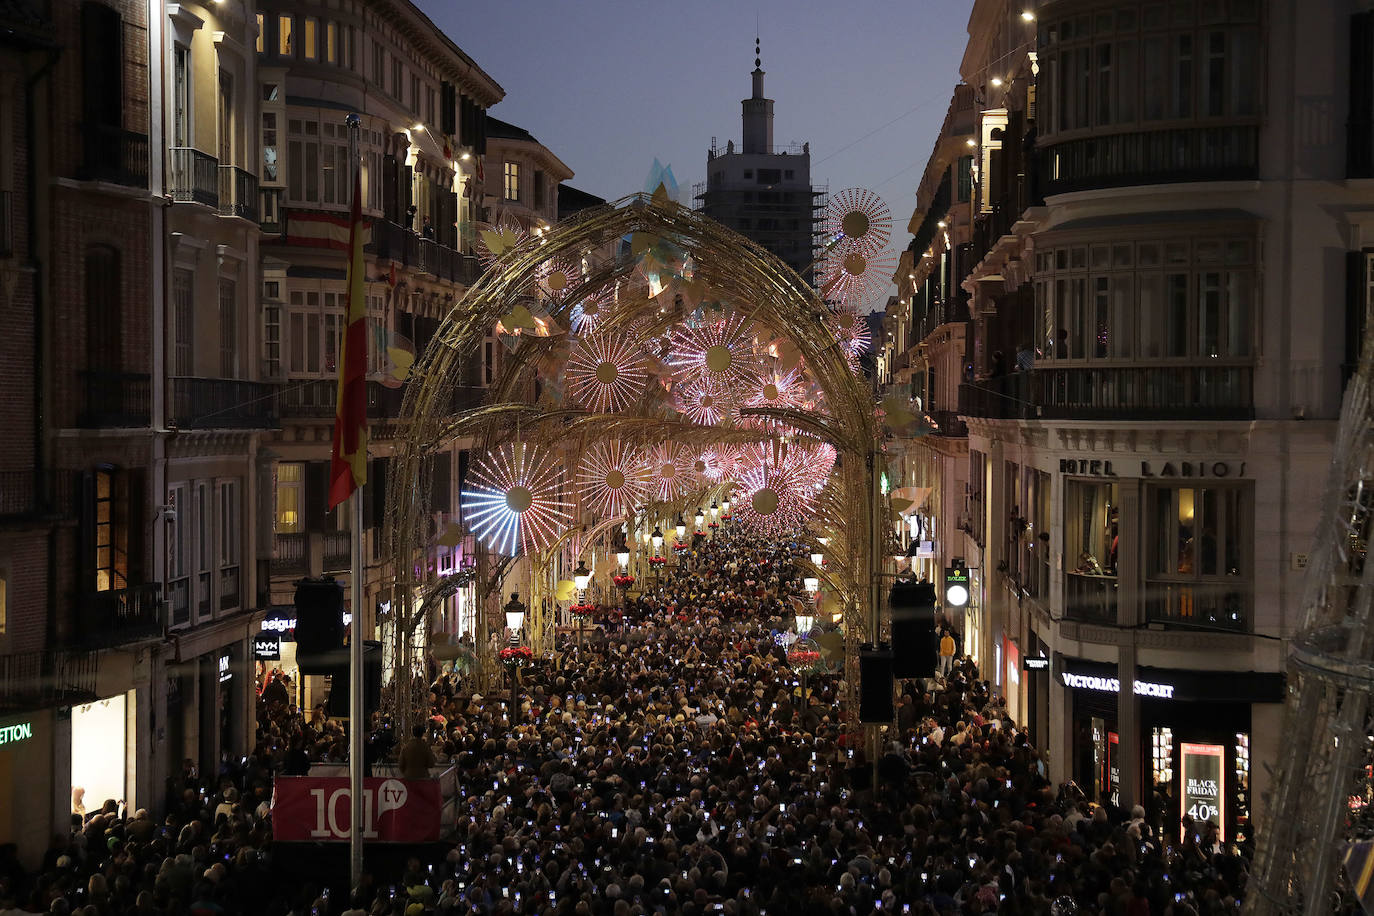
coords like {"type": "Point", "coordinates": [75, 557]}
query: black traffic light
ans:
{"type": "Point", "coordinates": [875, 684]}
{"type": "Point", "coordinates": [914, 645]}
{"type": "Point", "coordinates": [319, 625]}
{"type": "Point", "coordinates": [337, 704]}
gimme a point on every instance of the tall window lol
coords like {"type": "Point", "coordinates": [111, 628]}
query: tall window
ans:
{"type": "Point", "coordinates": [1198, 562]}
{"type": "Point", "coordinates": [285, 35]}
{"type": "Point", "coordinates": [111, 530]}
{"type": "Point", "coordinates": [227, 121]}
{"type": "Point", "coordinates": [1178, 298]}
{"type": "Point", "coordinates": [271, 329]}
{"type": "Point", "coordinates": [311, 36]}
{"type": "Point", "coordinates": [262, 27]}
{"type": "Point", "coordinates": [397, 72]}
{"type": "Point", "coordinates": [290, 518]}
{"type": "Point", "coordinates": [181, 96]}
{"type": "Point", "coordinates": [178, 554]}
{"type": "Point", "coordinates": [331, 43]}
{"type": "Point", "coordinates": [228, 329]}
{"type": "Point", "coordinates": [4, 601]}
{"type": "Point", "coordinates": [230, 531]}
{"type": "Point", "coordinates": [183, 320]}
{"type": "Point", "coordinates": [204, 548]}
{"type": "Point", "coordinates": [378, 64]}
{"type": "Point", "coordinates": [512, 179]}
{"type": "Point", "coordinates": [1091, 547]}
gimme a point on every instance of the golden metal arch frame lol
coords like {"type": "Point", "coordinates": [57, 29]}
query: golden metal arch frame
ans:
{"type": "Point", "coordinates": [726, 262]}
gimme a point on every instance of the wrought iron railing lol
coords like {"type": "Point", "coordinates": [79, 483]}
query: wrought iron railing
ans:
{"type": "Point", "coordinates": [115, 399]}
{"type": "Point", "coordinates": [289, 554]}
{"type": "Point", "coordinates": [1205, 604]}
{"type": "Point", "coordinates": [194, 176]}
{"type": "Point", "coordinates": [337, 550]}
{"type": "Point", "coordinates": [179, 601]}
{"type": "Point", "coordinates": [1151, 157]}
{"type": "Point", "coordinates": [1090, 599]}
{"type": "Point", "coordinates": [228, 588]}
{"type": "Point", "coordinates": [270, 209]}
{"type": "Point", "coordinates": [216, 403]}
{"type": "Point", "coordinates": [1114, 392]}
{"type": "Point", "coordinates": [947, 423]}
{"type": "Point", "coordinates": [397, 243]}
{"type": "Point", "coordinates": [115, 155]}
{"type": "Point", "coordinates": [31, 680]}
{"type": "Point", "coordinates": [238, 192]}
{"type": "Point", "coordinates": [119, 616]}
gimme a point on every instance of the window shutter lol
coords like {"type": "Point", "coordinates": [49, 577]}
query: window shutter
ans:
{"type": "Point", "coordinates": [374, 503]}
{"type": "Point", "coordinates": [389, 189]}
{"type": "Point", "coordinates": [102, 65]}
{"type": "Point", "coordinates": [316, 495]}
{"type": "Point", "coordinates": [86, 547]}
{"type": "Point", "coordinates": [1360, 124]}
{"type": "Point", "coordinates": [1356, 310]}
{"type": "Point", "coordinates": [137, 531]}
{"type": "Point", "coordinates": [448, 124]}
{"type": "Point", "coordinates": [448, 228]}
{"type": "Point", "coordinates": [441, 483]}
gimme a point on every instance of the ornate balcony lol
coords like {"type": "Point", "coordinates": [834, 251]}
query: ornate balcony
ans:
{"type": "Point", "coordinates": [1114, 393]}
{"type": "Point", "coordinates": [32, 680]}
{"type": "Point", "coordinates": [238, 192]}
{"type": "Point", "coordinates": [114, 400]}
{"type": "Point", "coordinates": [115, 155]}
{"type": "Point", "coordinates": [216, 403]}
{"type": "Point", "coordinates": [1151, 157]}
{"type": "Point", "coordinates": [194, 176]}
{"type": "Point", "coordinates": [119, 616]}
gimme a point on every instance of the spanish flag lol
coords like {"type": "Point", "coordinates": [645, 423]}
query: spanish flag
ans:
{"type": "Point", "coordinates": [348, 461]}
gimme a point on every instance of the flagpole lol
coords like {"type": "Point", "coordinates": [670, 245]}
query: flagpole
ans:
{"type": "Point", "coordinates": [355, 641]}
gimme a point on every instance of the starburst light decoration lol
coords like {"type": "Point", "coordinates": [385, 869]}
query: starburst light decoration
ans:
{"type": "Point", "coordinates": [778, 388]}
{"type": "Point", "coordinates": [859, 220]}
{"type": "Point", "coordinates": [851, 330]}
{"type": "Point", "coordinates": [587, 315]}
{"type": "Point", "coordinates": [606, 374]}
{"type": "Point", "coordinates": [854, 276]}
{"type": "Point", "coordinates": [670, 470]}
{"type": "Point", "coordinates": [772, 497]}
{"type": "Point", "coordinates": [513, 500]}
{"type": "Point", "coordinates": [612, 479]}
{"type": "Point", "coordinates": [701, 402]}
{"type": "Point", "coordinates": [720, 351]}
{"type": "Point", "coordinates": [716, 463]}
{"type": "Point", "coordinates": [558, 278]}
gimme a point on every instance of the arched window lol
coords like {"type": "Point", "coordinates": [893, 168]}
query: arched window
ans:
{"type": "Point", "coordinates": [104, 310]}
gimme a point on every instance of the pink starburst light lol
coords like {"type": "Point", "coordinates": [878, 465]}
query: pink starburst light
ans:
{"type": "Point", "coordinates": [586, 316]}
{"type": "Point", "coordinates": [513, 499]}
{"type": "Point", "coordinates": [558, 278]}
{"type": "Point", "coordinates": [717, 463]}
{"type": "Point", "coordinates": [701, 402]}
{"type": "Point", "coordinates": [854, 276]}
{"type": "Point", "coordinates": [772, 498]}
{"type": "Point", "coordinates": [850, 329]}
{"type": "Point", "coordinates": [612, 479]}
{"type": "Point", "coordinates": [859, 219]}
{"type": "Point", "coordinates": [720, 351]}
{"type": "Point", "coordinates": [606, 374]}
{"type": "Point", "coordinates": [670, 470]}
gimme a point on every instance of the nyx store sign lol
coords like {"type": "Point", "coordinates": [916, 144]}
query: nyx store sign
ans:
{"type": "Point", "coordinates": [267, 647]}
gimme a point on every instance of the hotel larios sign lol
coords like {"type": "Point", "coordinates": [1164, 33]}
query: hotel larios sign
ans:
{"type": "Point", "coordinates": [1102, 467]}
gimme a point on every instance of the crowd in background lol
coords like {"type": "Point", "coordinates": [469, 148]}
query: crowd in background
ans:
{"type": "Point", "coordinates": [672, 765]}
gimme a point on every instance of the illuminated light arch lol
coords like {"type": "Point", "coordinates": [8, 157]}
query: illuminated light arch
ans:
{"type": "Point", "coordinates": [720, 352]}
{"type": "Point", "coordinates": [670, 470]}
{"type": "Point", "coordinates": [761, 290]}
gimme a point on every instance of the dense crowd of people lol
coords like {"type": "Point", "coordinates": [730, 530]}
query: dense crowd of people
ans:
{"type": "Point", "coordinates": [672, 764]}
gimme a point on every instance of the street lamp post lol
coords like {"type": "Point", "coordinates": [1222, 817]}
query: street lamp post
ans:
{"type": "Point", "coordinates": [581, 578]}
{"type": "Point", "coordinates": [657, 539]}
{"type": "Point", "coordinates": [515, 621]}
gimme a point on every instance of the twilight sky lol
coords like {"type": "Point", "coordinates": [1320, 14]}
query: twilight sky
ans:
{"type": "Point", "coordinates": [610, 84]}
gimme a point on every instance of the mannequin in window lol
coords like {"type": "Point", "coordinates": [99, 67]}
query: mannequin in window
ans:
{"type": "Point", "coordinates": [1113, 538]}
{"type": "Point", "coordinates": [1061, 348]}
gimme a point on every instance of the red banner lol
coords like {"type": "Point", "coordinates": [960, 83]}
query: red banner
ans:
{"type": "Point", "coordinates": [318, 809]}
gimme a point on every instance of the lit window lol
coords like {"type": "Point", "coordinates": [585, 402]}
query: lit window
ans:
{"type": "Point", "coordinates": [284, 36]}
{"type": "Point", "coordinates": [289, 499]}
{"type": "Point", "coordinates": [310, 42]}
{"type": "Point", "coordinates": [331, 43]}
{"type": "Point", "coordinates": [257, 44]}
{"type": "Point", "coordinates": [512, 188]}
